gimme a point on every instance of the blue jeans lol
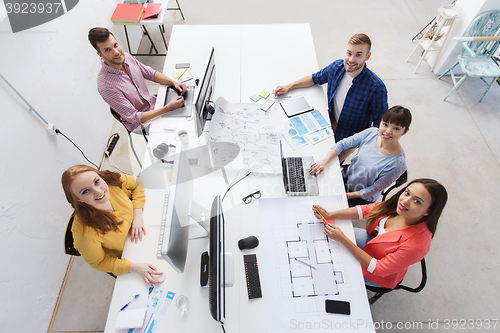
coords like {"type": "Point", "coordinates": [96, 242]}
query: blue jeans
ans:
{"type": "Point", "coordinates": [362, 238]}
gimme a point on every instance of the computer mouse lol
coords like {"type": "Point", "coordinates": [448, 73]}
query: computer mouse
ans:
{"type": "Point", "coordinates": [158, 277]}
{"type": "Point", "coordinates": [248, 243]}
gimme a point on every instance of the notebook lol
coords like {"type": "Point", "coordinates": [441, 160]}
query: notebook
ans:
{"type": "Point", "coordinates": [296, 177]}
{"type": "Point", "coordinates": [184, 111]}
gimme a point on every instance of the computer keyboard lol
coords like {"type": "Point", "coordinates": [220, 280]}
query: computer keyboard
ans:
{"type": "Point", "coordinates": [297, 182]}
{"type": "Point", "coordinates": [252, 275]}
{"type": "Point", "coordinates": [162, 227]}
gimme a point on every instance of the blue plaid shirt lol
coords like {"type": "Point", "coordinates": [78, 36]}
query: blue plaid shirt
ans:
{"type": "Point", "coordinates": [365, 103]}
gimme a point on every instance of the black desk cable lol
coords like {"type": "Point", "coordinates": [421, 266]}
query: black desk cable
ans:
{"type": "Point", "coordinates": [59, 132]}
{"type": "Point", "coordinates": [231, 186]}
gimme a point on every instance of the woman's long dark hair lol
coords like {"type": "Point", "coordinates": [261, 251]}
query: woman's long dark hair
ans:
{"type": "Point", "coordinates": [438, 194]}
{"type": "Point", "coordinates": [100, 220]}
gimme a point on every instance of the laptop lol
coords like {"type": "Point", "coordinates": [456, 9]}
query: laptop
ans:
{"type": "Point", "coordinates": [184, 111]}
{"type": "Point", "coordinates": [296, 177]}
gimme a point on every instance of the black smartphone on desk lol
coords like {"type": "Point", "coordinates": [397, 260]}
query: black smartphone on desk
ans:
{"type": "Point", "coordinates": [340, 307]}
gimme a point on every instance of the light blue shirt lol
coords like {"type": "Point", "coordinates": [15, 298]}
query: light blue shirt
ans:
{"type": "Point", "coordinates": [370, 171]}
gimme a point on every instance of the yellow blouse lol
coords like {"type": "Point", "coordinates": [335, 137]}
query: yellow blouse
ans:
{"type": "Point", "coordinates": [103, 252]}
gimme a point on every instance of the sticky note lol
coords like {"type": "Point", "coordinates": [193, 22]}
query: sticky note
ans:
{"type": "Point", "coordinates": [255, 98]}
{"type": "Point", "coordinates": [177, 75]}
{"type": "Point", "coordinates": [264, 94]}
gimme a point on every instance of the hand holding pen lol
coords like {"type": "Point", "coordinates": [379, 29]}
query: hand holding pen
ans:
{"type": "Point", "coordinates": [281, 91]}
{"type": "Point", "coordinates": [317, 213]}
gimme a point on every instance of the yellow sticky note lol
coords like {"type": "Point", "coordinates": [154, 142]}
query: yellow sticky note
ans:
{"type": "Point", "coordinates": [177, 75]}
{"type": "Point", "coordinates": [264, 94]}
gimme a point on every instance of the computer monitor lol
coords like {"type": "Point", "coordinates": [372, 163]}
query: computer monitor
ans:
{"type": "Point", "coordinates": [177, 212]}
{"type": "Point", "coordinates": [217, 263]}
{"type": "Point", "coordinates": [203, 110]}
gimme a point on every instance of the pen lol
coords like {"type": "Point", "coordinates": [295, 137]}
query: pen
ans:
{"type": "Point", "coordinates": [305, 263]}
{"type": "Point", "coordinates": [283, 89]}
{"type": "Point", "coordinates": [133, 299]}
{"type": "Point", "coordinates": [317, 211]}
{"type": "Point", "coordinates": [182, 73]}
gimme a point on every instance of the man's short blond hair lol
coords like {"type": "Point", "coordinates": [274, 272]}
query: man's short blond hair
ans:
{"type": "Point", "coordinates": [361, 39]}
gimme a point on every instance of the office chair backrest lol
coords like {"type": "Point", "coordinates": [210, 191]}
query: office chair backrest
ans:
{"type": "Point", "coordinates": [379, 291]}
{"type": "Point", "coordinates": [400, 181]}
{"type": "Point", "coordinates": [119, 119]}
{"type": "Point", "coordinates": [69, 247]}
{"type": "Point", "coordinates": [423, 282]}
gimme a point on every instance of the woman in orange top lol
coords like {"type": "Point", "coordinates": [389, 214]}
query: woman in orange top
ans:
{"type": "Point", "coordinates": [108, 206]}
{"type": "Point", "coordinates": [406, 224]}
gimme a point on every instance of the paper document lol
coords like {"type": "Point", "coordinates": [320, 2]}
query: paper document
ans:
{"type": "Point", "coordinates": [253, 130]}
{"type": "Point", "coordinates": [302, 267]}
{"type": "Point", "coordinates": [308, 128]}
{"type": "Point", "coordinates": [159, 310]}
{"type": "Point", "coordinates": [133, 315]}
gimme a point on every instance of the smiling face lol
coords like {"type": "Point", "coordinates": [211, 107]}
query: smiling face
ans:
{"type": "Point", "coordinates": [355, 58]}
{"type": "Point", "coordinates": [91, 189]}
{"type": "Point", "coordinates": [111, 52]}
{"type": "Point", "coordinates": [390, 132]}
{"type": "Point", "coordinates": [414, 203]}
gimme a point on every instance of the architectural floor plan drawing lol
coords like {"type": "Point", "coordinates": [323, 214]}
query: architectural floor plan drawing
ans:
{"type": "Point", "coordinates": [292, 243]}
{"type": "Point", "coordinates": [253, 130]}
{"type": "Point", "coordinates": [312, 267]}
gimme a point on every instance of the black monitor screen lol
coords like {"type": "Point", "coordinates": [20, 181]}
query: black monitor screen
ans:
{"type": "Point", "coordinates": [216, 262]}
{"type": "Point", "coordinates": [203, 110]}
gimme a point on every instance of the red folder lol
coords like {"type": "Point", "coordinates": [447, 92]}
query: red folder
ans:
{"type": "Point", "coordinates": [152, 10]}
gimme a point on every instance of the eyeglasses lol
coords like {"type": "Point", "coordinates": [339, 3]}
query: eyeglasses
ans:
{"type": "Point", "coordinates": [249, 197]}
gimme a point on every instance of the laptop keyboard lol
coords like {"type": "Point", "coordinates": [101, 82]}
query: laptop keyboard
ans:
{"type": "Point", "coordinates": [297, 182]}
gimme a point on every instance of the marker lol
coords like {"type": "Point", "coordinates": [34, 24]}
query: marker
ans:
{"type": "Point", "coordinates": [317, 211]}
{"type": "Point", "coordinates": [305, 263]}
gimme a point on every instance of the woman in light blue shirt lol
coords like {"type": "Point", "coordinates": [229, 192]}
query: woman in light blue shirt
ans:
{"type": "Point", "coordinates": [380, 159]}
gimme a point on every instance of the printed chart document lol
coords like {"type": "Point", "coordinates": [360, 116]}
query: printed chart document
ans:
{"type": "Point", "coordinates": [156, 308]}
{"type": "Point", "coordinates": [308, 128]}
{"type": "Point", "coordinates": [304, 268]}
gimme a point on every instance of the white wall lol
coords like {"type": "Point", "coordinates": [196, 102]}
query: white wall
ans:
{"type": "Point", "coordinates": [54, 67]}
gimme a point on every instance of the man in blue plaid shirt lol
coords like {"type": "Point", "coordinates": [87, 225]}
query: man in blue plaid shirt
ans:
{"type": "Point", "coordinates": [357, 100]}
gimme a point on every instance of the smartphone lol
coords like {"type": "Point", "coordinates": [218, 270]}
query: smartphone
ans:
{"type": "Point", "coordinates": [340, 307]}
{"type": "Point", "coordinates": [182, 65]}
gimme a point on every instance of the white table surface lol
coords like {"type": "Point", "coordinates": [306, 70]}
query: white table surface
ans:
{"type": "Point", "coordinates": [249, 58]}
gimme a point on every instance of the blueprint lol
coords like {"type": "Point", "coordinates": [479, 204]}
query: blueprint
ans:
{"type": "Point", "coordinates": [302, 268]}
{"type": "Point", "coordinates": [312, 264]}
{"type": "Point", "coordinates": [256, 132]}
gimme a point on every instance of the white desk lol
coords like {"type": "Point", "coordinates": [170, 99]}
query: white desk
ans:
{"type": "Point", "coordinates": [249, 58]}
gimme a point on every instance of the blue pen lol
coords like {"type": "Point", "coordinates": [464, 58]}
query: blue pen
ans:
{"type": "Point", "coordinates": [135, 297]}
